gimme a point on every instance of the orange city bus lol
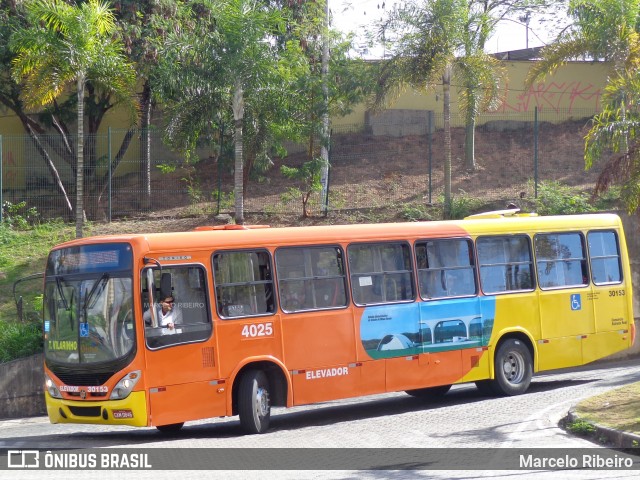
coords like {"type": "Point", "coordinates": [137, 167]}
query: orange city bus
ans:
{"type": "Point", "coordinates": [293, 316]}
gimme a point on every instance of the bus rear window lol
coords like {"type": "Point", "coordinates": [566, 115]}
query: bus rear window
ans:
{"type": "Point", "coordinates": [244, 283]}
{"type": "Point", "coordinates": [605, 257]}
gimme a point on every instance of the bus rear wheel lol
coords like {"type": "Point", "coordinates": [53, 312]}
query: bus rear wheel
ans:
{"type": "Point", "coordinates": [513, 368]}
{"type": "Point", "coordinates": [253, 402]}
{"type": "Point", "coordinates": [429, 393]}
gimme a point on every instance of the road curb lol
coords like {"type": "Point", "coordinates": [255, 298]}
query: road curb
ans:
{"type": "Point", "coordinates": [605, 435]}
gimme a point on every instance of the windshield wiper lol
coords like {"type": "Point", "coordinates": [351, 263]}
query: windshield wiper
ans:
{"type": "Point", "coordinates": [61, 293]}
{"type": "Point", "coordinates": [100, 283]}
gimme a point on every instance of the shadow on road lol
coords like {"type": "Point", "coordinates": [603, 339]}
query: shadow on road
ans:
{"type": "Point", "coordinates": [329, 413]}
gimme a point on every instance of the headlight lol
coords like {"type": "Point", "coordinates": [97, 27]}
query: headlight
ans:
{"type": "Point", "coordinates": [123, 387]}
{"type": "Point", "coordinates": [51, 387]}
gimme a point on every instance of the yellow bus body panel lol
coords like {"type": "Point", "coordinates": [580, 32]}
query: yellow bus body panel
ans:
{"type": "Point", "coordinates": [135, 403]}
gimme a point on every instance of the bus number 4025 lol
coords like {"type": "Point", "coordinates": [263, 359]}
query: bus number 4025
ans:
{"type": "Point", "coordinates": [257, 330]}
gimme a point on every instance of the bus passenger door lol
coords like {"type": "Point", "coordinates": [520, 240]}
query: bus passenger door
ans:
{"type": "Point", "coordinates": [566, 320]}
{"type": "Point", "coordinates": [566, 302]}
{"type": "Point", "coordinates": [610, 297]}
{"type": "Point", "coordinates": [181, 362]}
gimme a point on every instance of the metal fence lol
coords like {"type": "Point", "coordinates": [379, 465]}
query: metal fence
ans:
{"type": "Point", "coordinates": [375, 164]}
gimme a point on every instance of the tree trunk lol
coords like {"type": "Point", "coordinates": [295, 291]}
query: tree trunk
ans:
{"type": "Point", "coordinates": [80, 156]}
{"type": "Point", "coordinates": [145, 148]}
{"type": "Point", "coordinates": [324, 147]}
{"type": "Point", "coordinates": [238, 115]}
{"type": "Point", "coordinates": [52, 168]}
{"type": "Point", "coordinates": [446, 114]}
{"type": "Point", "coordinates": [470, 142]}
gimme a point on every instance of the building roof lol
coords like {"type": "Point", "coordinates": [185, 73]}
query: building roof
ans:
{"type": "Point", "coordinates": [523, 54]}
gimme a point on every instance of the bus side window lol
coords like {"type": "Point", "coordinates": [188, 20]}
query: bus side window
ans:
{"type": "Point", "coordinates": [187, 285]}
{"type": "Point", "coordinates": [243, 283]}
{"type": "Point", "coordinates": [381, 273]}
{"type": "Point", "coordinates": [561, 259]}
{"type": "Point", "coordinates": [311, 278]}
{"type": "Point", "coordinates": [446, 268]}
{"type": "Point", "coordinates": [506, 263]}
{"type": "Point", "coordinates": [604, 252]}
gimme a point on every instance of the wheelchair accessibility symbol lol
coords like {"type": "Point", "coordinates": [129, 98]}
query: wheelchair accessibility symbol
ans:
{"type": "Point", "coordinates": [576, 302]}
{"type": "Point", "coordinates": [84, 329]}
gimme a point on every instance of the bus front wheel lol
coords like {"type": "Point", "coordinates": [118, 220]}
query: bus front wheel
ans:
{"type": "Point", "coordinates": [253, 402]}
{"type": "Point", "coordinates": [513, 367]}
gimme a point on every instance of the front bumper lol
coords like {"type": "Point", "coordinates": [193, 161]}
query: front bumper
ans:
{"type": "Point", "coordinates": [130, 411]}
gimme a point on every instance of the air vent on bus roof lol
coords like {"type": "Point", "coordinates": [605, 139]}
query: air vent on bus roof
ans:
{"type": "Point", "coordinates": [511, 212]}
{"type": "Point", "coordinates": [229, 227]}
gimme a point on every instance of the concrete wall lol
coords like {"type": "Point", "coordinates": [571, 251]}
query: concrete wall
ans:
{"type": "Point", "coordinates": [573, 91]}
{"type": "Point", "coordinates": [22, 388]}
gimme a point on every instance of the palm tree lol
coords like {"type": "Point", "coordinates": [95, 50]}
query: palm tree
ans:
{"type": "Point", "coordinates": [606, 30]}
{"type": "Point", "coordinates": [70, 45]}
{"type": "Point", "coordinates": [227, 61]}
{"type": "Point", "coordinates": [433, 41]}
{"type": "Point", "coordinates": [615, 135]}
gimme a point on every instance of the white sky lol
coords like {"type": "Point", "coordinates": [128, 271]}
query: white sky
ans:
{"type": "Point", "coordinates": [352, 15]}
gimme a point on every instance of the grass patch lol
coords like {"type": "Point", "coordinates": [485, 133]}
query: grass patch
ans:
{"type": "Point", "coordinates": [618, 409]}
{"type": "Point", "coordinates": [24, 252]}
{"type": "Point", "coordinates": [19, 340]}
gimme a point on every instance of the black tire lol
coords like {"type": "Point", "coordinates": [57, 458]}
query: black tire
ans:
{"type": "Point", "coordinates": [254, 405]}
{"type": "Point", "coordinates": [429, 393]}
{"type": "Point", "coordinates": [513, 368]}
{"type": "Point", "coordinates": [171, 428]}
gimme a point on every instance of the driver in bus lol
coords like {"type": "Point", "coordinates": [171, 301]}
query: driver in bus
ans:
{"type": "Point", "coordinates": [168, 314]}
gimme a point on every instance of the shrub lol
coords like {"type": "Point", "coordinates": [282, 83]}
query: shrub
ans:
{"type": "Point", "coordinates": [19, 340]}
{"type": "Point", "coordinates": [555, 198]}
{"type": "Point", "coordinates": [462, 205]}
{"type": "Point", "coordinates": [18, 216]}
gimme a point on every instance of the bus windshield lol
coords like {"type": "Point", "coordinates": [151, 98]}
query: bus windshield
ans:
{"type": "Point", "coordinates": [88, 315]}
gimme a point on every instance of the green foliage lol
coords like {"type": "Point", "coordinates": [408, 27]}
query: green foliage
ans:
{"type": "Point", "coordinates": [609, 199]}
{"type": "Point", "coordinates": [18, 216]}
{"type": "Point", "coordinates": [65, 46]}
{"type": "Point", "coordinates": [308, 175]}
{"type": "Point", "coordinates": [19, 340]}
{"type": "Point", "coordinates": [415, 212]}
{"type": "Point", "coordinates": [555, 198]}
{"type": "Point", "coordinates": [581, 427]}
{"type": "Point", "coordinates": [23, 253]}
{"type": "Point", "coordinates": [223, 200]}
{"type": "Point", "coordinates": [29, 249]}
{"type": "Point", "coordinates": [462, 205]}
{"type": "Point", "coordinates": [193, 185]}
{"type": "Point", "coordinates": [166, 168]}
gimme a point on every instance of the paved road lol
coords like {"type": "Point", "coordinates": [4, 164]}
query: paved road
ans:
{"type": "Point", "coordinates": [463, 419]}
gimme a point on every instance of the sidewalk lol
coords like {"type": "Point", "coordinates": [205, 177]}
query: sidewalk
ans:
{"type": "Point", "coordinates": [611, 419]}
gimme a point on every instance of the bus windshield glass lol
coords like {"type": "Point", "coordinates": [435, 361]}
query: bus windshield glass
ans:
{"type": "Point", "coordinates": [88, 315]}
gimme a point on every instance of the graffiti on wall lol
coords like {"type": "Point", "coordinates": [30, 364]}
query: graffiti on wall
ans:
{"type": "Point", "coordinates": [555, 96]}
